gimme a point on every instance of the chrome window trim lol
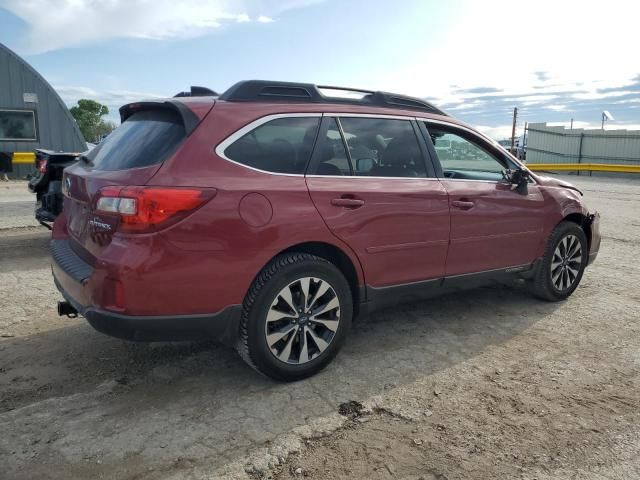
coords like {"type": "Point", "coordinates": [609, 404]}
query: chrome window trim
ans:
{"type": "Point", "coordinates": [369, 115]}
{"type": "Point", "coordinates": [469, 180]}
{"type": "Point", "coordinates": [222, 146]}
{"type": "Point", "coordinates": [481, 136]}
{"type": "Point", "coordinates": [364, 177]}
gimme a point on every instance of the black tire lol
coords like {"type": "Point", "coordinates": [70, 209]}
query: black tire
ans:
{"type": "Point", "coordinates": [542, 284]}
{"type": "Point", "coordinates": [283, 271]}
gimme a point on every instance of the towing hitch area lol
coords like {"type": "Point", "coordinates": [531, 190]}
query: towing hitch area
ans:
{"type": "Point", "coordinates": [65, 308]}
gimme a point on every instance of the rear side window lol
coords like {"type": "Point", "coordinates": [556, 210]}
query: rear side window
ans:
{"type": "Point", "coordinates": [283, 145]}
{"type": "Point", "coordinates": [380, 147]}
{"type": "Point", "coordinates": [145, 138]}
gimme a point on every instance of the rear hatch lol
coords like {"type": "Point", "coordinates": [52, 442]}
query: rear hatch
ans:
{"type": "Point", "coordinates": [131, 155]}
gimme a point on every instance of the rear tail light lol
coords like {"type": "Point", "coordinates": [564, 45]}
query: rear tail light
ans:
{"type": "Point", "coordinates": [146, 209]}
{"type": "Point", "coordinates": [42, 166]}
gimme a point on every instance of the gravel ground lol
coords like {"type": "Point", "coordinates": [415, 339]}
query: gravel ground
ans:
{"type": "Point", "coordinates": [16, 206]}
{"type": "Point", "coordinates": [490, 383]}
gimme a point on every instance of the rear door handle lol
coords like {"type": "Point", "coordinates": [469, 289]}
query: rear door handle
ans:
{"type": "Point", "coordinates": [462, 204]}
{"type": "Point", "coordinates": [347, 202]}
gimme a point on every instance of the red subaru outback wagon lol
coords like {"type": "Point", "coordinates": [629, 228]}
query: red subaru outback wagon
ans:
{"type": "Point", "coordinates": [273, 214]}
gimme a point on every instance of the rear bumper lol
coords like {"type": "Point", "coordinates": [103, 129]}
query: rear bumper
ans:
{"type": "Point", "coordinates": [71, 275]}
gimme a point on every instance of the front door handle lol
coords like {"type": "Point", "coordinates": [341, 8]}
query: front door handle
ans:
{"type": "Point", "coordinates": [347, 202]}
{"type": "Point", "coordinates": [462, 204]}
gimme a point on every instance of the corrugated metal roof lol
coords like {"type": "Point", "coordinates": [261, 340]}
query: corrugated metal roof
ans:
{"type": "Point", "coordinates": [56, 128]}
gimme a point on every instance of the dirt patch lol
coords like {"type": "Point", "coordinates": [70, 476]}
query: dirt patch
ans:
{"type": "Point", "coordinates": [351, 409]}
{"type": "Point", "coordinates": [502, 428]}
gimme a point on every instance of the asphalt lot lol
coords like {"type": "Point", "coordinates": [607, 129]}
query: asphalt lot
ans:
{"type": "Point", "coordinates": [489, 383]}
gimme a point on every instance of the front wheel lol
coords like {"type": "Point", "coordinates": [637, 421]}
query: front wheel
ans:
{"type": "Point", "coordinates": [563, 263]}
{"type": "Point", "coordinates": [295, 317]}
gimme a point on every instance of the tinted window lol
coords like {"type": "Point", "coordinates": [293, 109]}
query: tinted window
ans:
{"type": "Point", "coordinates": [381, 147]}
{"type": "Point", "coordinates": [17, 125]}
{"type": "Point", "coordinates": [333, 157]}
{"type": "Point", "coordinates": [145, 138]}
{"type": "Point", "coordinates": [462, 157]}
{"type": "Point", "coordinates": [283, 145]}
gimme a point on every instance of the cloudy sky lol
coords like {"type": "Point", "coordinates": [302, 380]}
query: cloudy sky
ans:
{"type": "Point", "coordinates": [554, 60]}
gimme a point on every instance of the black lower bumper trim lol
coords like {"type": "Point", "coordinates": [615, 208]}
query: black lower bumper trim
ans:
{"type": "Point", "coordinates": [222, 326]}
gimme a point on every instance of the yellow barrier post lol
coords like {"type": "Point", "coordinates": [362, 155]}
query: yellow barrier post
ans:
{"type": "Point", "coordinates": [24, 158]}
{"type": "Point", "coordinates": [582, 167]}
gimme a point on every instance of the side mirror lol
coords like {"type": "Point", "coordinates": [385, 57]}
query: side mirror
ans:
{"type": "Point", "coordinates": [518, 179]}
{"type": "Point", "coordinates": [364, 165]}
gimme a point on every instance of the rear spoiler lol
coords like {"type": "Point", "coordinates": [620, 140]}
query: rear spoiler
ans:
{"type": "Point", "coordinates": [189, 118]}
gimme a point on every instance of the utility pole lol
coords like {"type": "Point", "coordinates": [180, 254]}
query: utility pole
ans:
{"type": "Point", "coordinates": [513, 128]}
{"type": "Point", "coordinates": [571, 124]}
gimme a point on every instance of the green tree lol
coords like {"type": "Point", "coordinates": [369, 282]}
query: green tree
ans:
{"type": "Point", "coordinates": [88, 115]}
{"type": "Point", "coordinates": [104, 128]}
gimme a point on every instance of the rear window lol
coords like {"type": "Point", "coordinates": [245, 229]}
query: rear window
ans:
{"type": "Point", "coordinates": [145, 138]}
{"type": "Point", "coordinates": [283, 145]}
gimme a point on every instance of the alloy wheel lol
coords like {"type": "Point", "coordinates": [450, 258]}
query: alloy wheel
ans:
{"type": "Point", "coordinates": [566, 262]}
{"type": "Point", "coordinates": [302, 320]}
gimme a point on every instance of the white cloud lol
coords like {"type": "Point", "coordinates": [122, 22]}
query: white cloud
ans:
{"type": "Point", "coordinates": [55, 24]}
{"type": "Point", "coordinates": [595, 95]}
{"type": "Point", "coordinates": [527, 101]}
{"type": "Point", "coordinates": [554, 46]}
{"type": "Point", "coordinates": [497, 133]}
{"type": "Point", "coordinates": [557, 108]}
{"type": "Point", "coordinates": [630, 100]}
{"type": "Point", "coordinates": [466, 105]}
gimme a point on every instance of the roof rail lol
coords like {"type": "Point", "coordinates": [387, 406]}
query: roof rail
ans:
{"type": "Point", "coordinates": [197, 92]}
{"type": "Point", "coordinates": [268, 91]}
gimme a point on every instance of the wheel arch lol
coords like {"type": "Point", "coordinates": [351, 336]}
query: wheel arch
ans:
{"type": "Point", "coordinates": [341, 260]}
{"type": "Point", "coordinates": [584, 222]}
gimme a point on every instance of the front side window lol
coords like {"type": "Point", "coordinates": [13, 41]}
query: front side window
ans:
{"type": "Point", "coordinates": [380, 147]}
{"type": "Point", "coordinates": [462, 157]}
{"type": "Point", "coordinates": [283, 145]}
{"type": "Point", "coordinates": [18, 125]}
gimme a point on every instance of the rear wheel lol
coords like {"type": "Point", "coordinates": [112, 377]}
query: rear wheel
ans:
{"type": "Point", "coordinates": [563, 263]}
{"type": "Point", "coordinates": [295, 317]}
